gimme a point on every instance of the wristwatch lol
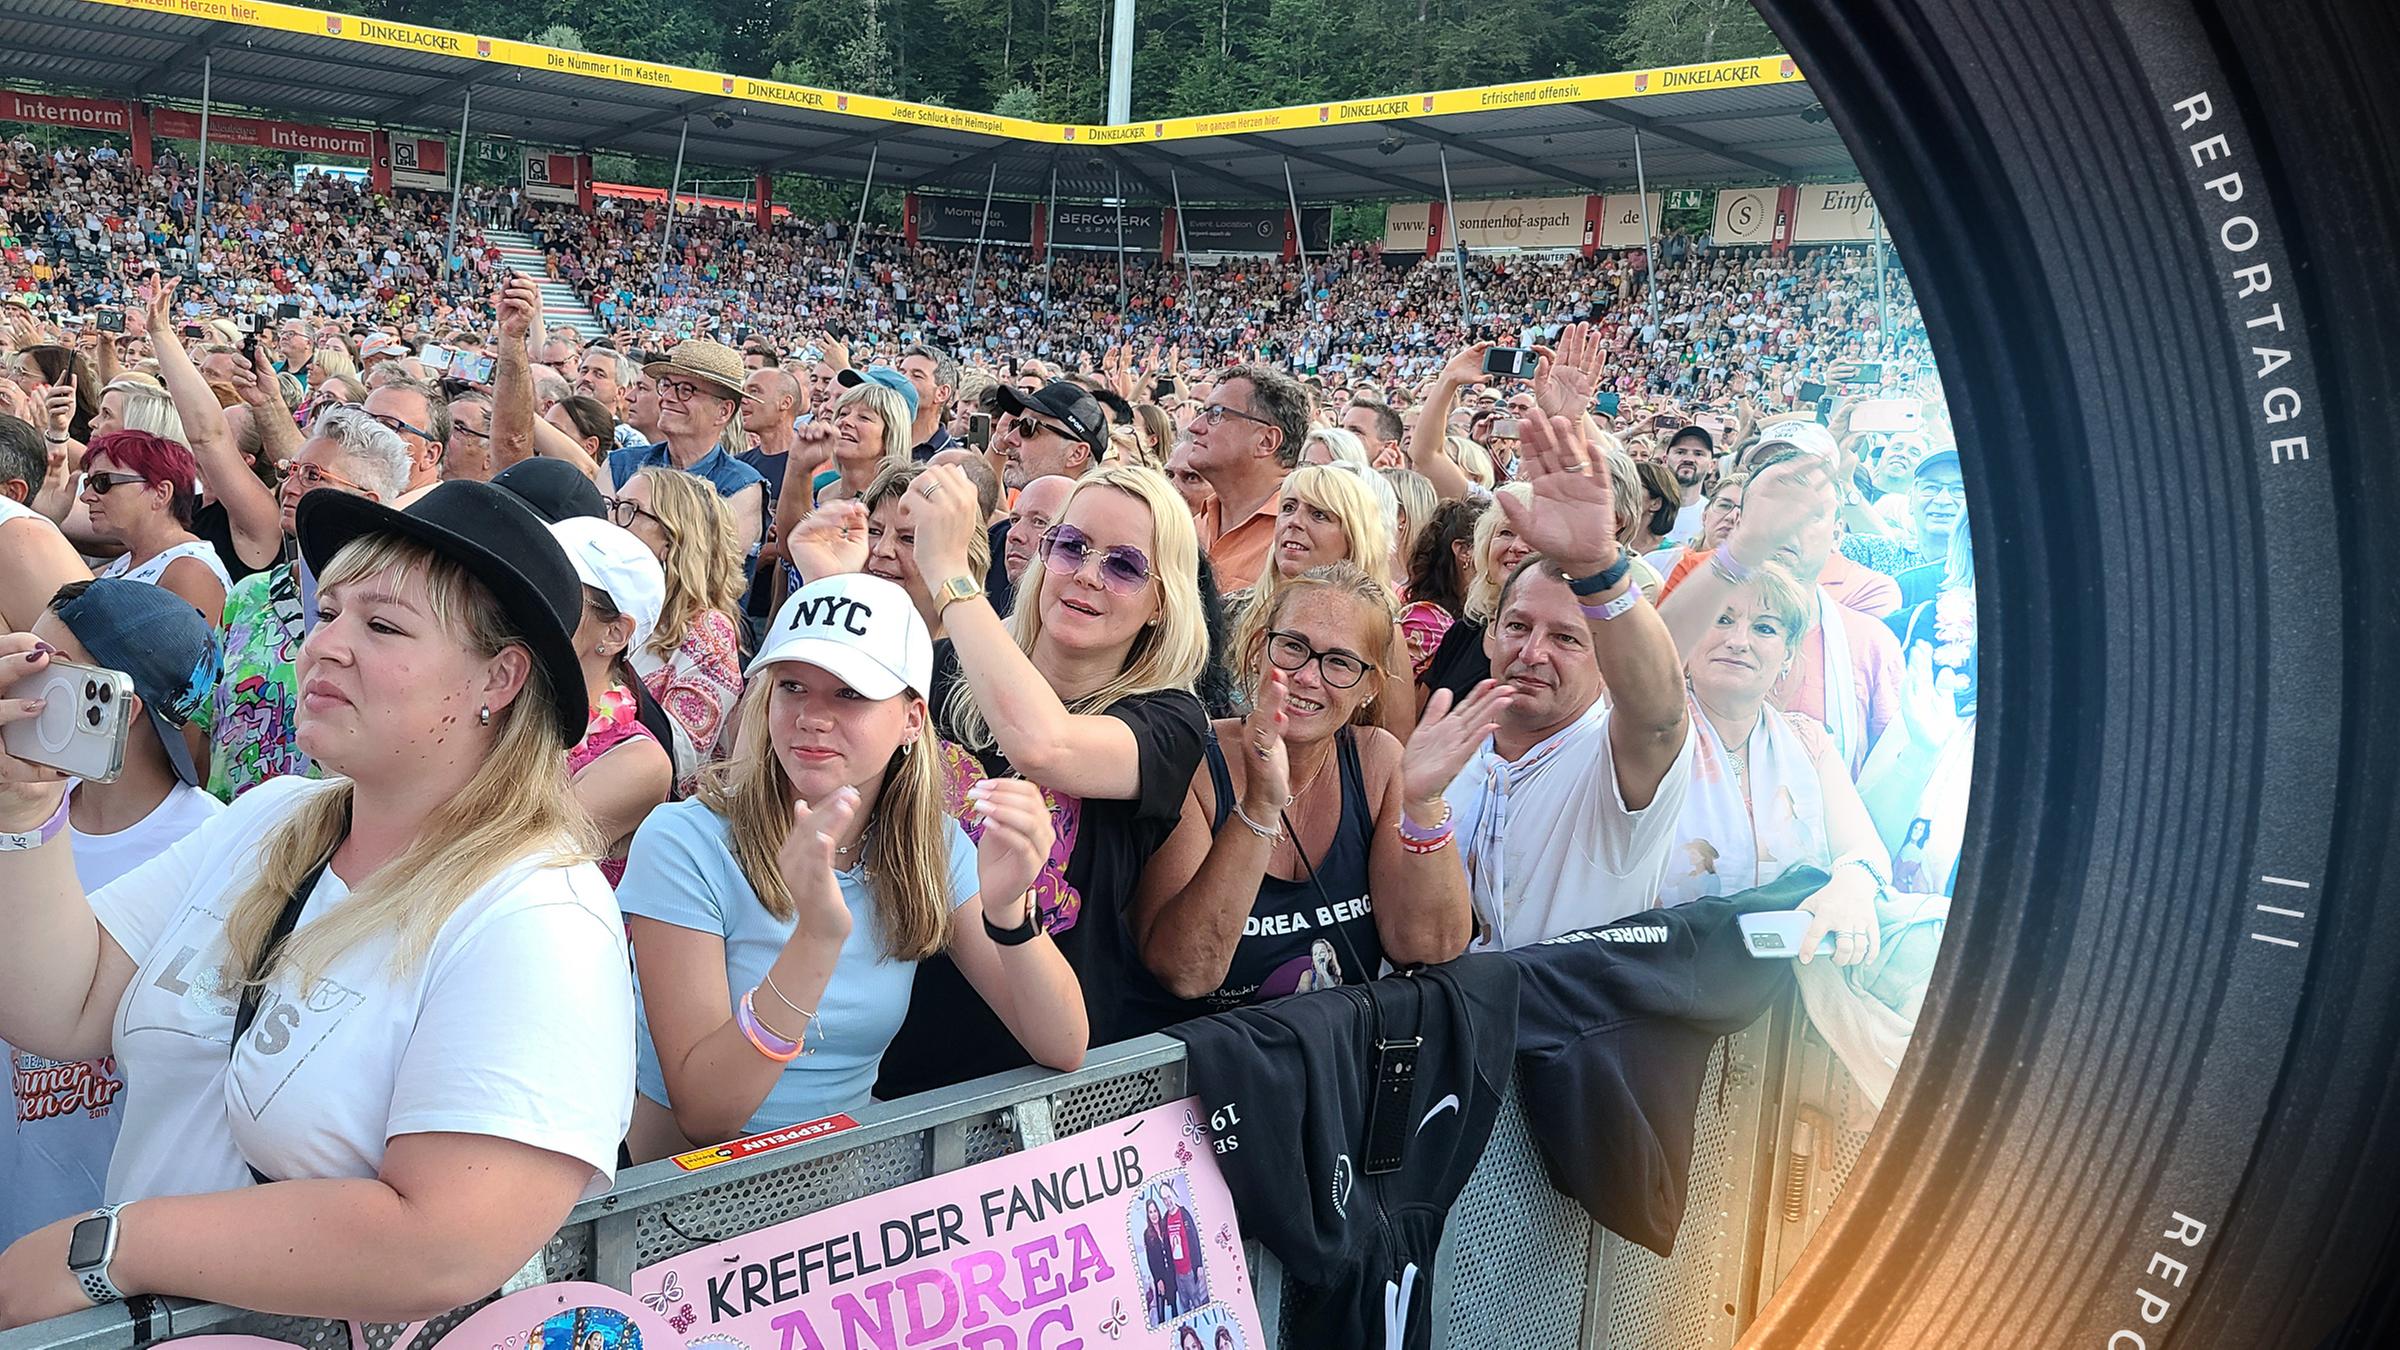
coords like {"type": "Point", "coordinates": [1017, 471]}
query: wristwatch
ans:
{"type": "Point", "coordinates": [1013, 937]}
{"type": "Point", "coordinates": [953, 590]}
{"type": "Point", "coordinates": [18, 842]}
{"type": "Point", "coordinates": [90, 1247]}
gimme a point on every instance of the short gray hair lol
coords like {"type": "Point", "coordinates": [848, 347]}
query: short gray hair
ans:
{"type": "Point", "coordinates": [945, 367]}
{"type": "Point", "coordinates": [378, 452]}
{"type": "Point", "coordinates": [437, 409]}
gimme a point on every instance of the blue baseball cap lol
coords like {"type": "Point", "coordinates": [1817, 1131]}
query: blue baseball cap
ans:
{"type": "Point", "coordinates": [161, 643]}
{"type": "Point", "coordinates": [887, 377]}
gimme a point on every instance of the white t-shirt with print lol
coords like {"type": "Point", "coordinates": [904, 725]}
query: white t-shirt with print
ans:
{"type": "Point", "coordinates": [518, 1023]}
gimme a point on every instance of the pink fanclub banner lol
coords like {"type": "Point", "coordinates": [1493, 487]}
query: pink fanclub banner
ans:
{"type": "Point", "coordinates": [1119, 1238]}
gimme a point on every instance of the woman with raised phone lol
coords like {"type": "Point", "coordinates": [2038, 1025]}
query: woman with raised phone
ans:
{"type": "Point", "coordinates": [380, 1018]}
{"type": "Point", "coordinates": [779, 917]}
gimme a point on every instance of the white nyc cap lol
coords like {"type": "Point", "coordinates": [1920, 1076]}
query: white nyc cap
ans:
{"type": "Point", "coordinates": [862, 629]}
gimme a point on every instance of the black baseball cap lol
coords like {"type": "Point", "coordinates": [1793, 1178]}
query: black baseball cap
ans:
{"type": "Point", "coordinates": [501, 541]}
{"type": "Point", "coordinates": [1061, 401]}
{"type": "Point", "coordinates": [1691, 430]}
{"type": "Point", "coordinates": [161, 643]}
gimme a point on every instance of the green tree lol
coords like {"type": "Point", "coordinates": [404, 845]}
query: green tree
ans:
{"type": "Point", "coordinates": [1678, 32]}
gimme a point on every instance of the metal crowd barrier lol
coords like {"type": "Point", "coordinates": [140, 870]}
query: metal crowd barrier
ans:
{"type": "Point", "coordinates": [1780, 1126]}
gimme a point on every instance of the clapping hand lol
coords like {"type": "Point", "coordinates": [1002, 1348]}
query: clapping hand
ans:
{"type": "Point", "coordinates": [806, 861]}
{"type": "Point", "coordinates": [829, 541]}
{"type": "Point", "coordinates": [1779, 505]}
{"type": "Point", "coordinates": [1572, 519]}
{"type": "Point", "coordinates": [1269, 784]}
{"type": "Point", "coordinates": [1013, 847]}
{"type": "Point", "coordinates": [943, 508]}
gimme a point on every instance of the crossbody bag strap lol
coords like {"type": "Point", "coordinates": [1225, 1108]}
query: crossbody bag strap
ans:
{"type": "Point", "coordinates": [245, 1011]}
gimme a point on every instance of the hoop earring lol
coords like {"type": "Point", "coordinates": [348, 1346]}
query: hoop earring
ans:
{"type": "Point", "coordinates": [907, 748]}
{"type": "Point", "coordinates": [483, 716]}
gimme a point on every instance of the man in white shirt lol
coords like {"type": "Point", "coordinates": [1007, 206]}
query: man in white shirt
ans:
{"type": "Point", "coordinates": [1563, 815]}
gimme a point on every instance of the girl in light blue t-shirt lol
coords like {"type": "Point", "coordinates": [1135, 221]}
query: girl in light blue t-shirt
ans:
{"type": "Point", "coordinates": [777, 917]}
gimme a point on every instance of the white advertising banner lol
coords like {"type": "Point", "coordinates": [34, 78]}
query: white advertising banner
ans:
{"type": "Point", "coordinates": [419, 163]}
{"type": "Point", "coordinates": [1405, 225]}
{"type": "Point", "coordinates": [1834, 213]}
{"type": "Point", "coordinates": [1621, 220]}
{"type": "Point", "coordinates": [1746, 215]}
{"type": "Point", "coordinates": [549, 177]}
{"type": "Point", "coordinates": [1521, 222]}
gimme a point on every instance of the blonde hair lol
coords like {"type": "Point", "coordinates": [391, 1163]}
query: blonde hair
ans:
{"type": "Point", "coordinates": [1168, 654]}
{"type": "Point", "coordinates": [148, 407]}
{"type": "Point", "coordinates": [1418, 501]}
{"type": "Point", "coordinates": [1333, 489]}
{"type": "Point", "coordinates": [1483, 592]}
{"type": "Point", "coordinates": [907, 844]}
{"type": "Point", "coordinates": [1774, 591]}
{"type": "Point", "coordinates": [1342, 444]}
{"type": "Point", "coordinates": [516, 805]}
{"type": "Point", "coordinates": [1472, 459]}
{"type": "Point", "coordinates": [1346, 578]}
{"type": "Point", "coordinates": [887, 404]}
{"type": "Point", "coordinates": [704, 560]}
{"type": "Point", "coordinates": [335, 361]}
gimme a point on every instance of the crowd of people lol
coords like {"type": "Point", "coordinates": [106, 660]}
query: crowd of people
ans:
{"type": "Point", "coordinates": [905, 684]}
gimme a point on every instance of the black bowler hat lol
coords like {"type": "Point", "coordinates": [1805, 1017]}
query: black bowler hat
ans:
{"type": "Point", "coordinates": [500, 541]}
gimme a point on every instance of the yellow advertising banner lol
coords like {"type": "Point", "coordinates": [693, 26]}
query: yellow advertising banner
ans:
{"type": "Point", "coordinates": [530, 56]}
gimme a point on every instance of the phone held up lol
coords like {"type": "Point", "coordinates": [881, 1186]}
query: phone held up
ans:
{"type": "Point", "coordinates": [108, 319]}
{"type": "Point", "coordinates": [83, 724]}
{"type": "Point", "coordinates": [1514, 362]}
{"type": "Point", "coordinates": [979, 430]}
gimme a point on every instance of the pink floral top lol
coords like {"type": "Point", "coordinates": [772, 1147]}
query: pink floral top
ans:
{"type": "Point", "coordinates": [698, 686]}
{"type": "Point", "coordinates": [1424, 624]}
{"type": "Point", "coordinates": [613, 723]}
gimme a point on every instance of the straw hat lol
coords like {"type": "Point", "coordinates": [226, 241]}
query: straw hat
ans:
{"type": "Point", "coordinates": [711, 363]}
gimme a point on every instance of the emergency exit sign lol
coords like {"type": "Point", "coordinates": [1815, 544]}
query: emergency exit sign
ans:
{"type": "Point", "coordinates": [1683, 199]}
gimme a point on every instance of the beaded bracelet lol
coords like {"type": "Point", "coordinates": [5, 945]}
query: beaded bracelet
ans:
{"type": "Point", "coordinates": [1616, 607]}
{"type": "Point", "coordinates": [761, 1039]}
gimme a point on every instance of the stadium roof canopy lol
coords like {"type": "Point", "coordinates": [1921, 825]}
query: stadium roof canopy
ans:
{"type": "Point", "coordinates": [1739, 122]}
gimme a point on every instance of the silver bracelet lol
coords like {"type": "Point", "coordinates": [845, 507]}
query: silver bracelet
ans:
{"type": "Point", "coordinates": [1273, 836]}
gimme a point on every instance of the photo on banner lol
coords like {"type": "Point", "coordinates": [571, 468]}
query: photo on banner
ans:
{"type": "Point", "coordinates": [1123, 1235]}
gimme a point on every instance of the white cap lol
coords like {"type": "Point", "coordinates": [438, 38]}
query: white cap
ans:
{"type": "Point", "coordinates": [1801, 434]}
{"type": "Point", "coordinates": [614, 561]}
{"type": "Point", "coordinates": [379, 344]}
{"type": "Point", "coordinates": [861, 629]}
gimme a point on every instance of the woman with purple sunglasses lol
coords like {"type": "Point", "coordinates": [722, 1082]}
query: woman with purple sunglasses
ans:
{"type": "Point", "coordinates": [1085, 690]}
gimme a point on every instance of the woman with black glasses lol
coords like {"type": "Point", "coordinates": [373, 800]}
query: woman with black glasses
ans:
{"type": "Point", "coordinates": [1292, 867]}
{"type": "Point", "coordinates": [1086, 691]}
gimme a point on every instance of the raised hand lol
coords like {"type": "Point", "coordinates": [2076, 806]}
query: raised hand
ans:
{"type": "Point", "coordinates": [1447, 736]}
{"type": "Point", "coordinates": [806, 860]}
{"type": "Point", "coordinates": [1465, 366]}
{"type": "Point", "coordinates": [1572, 519]}
{"type": "Point", "coordinates": [1778, 507]}
{"type": "Point", "coordinates": [58, 406]}
{"type": "Point", "coordinates": [1568, 375]}
{"type": "Point", "coordinates": [1929, 699]}
{"type": "Point", "coordinates": [255, 386]}
{"type": "Point", "coordinates": [158, 306]}
{"type": "Point", "coordinates": [29, 792]}
{"type": "Point", "coordinates": [1015, 843]}
{"type": "Point", "coordinates": [829, 541]}
{"type": "Point", "coordinates": [941, 506]}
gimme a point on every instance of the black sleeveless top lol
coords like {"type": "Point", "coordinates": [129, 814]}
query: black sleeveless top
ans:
{"type": "Point", "coordinates": [1302, 935]}
{"type": "Point", "coordinates": [1459, 662]}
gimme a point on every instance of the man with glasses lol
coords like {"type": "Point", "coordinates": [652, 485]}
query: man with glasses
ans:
{"type": "Point", "coordinates": [699, 400]}
{"type": "Point", "coordinates": [1057, 429]}
{"type": "Point", "coordinates": [1244, 441]}
{"type": "Point", "coordinates": [1937, 494]}
{"type": "Point", "coordinates": [417, 415]}
{"type": "Point", "coordinates": [249, 721]}
{"type": "Point", "coordinates": [467, 450]}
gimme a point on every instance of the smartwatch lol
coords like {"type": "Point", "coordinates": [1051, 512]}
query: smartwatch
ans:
{"type": "Point", "coordinates": [90, 1247]}
{"type": "Point", "coordinates": [1604, 579]}
{"type": "Point", "coordinates": [1013, 937]}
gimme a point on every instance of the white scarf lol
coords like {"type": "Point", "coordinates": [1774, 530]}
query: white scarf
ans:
{"type": "Point", "coordinates": [1841, 683]}
{"type": "Point", "coordinates": [1726, 842]}
{"type": "Point", "coordinates": [1482, 824]}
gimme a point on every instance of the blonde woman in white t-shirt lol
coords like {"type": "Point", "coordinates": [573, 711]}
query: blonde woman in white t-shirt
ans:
{"type": "Point", "coordinates": [438, 1063]}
